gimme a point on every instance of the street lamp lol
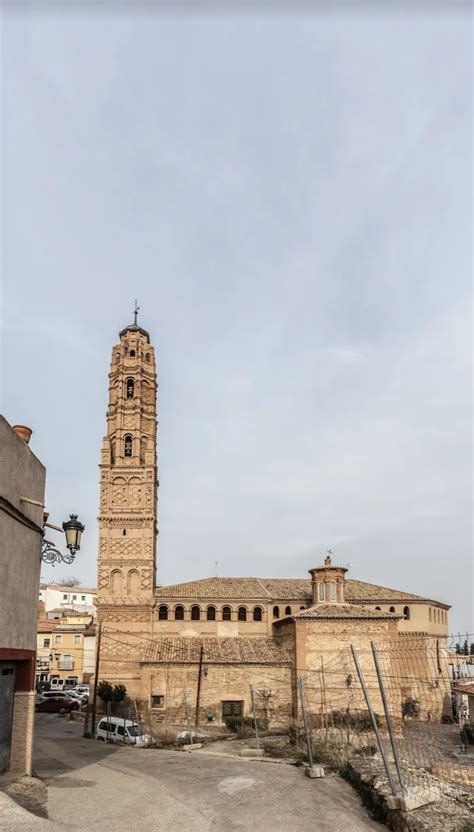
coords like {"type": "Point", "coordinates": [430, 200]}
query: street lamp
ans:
{"type": "Point", "coordinates": [73, 529]}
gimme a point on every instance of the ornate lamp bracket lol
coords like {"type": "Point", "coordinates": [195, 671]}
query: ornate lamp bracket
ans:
{"type": "Point", "coordinates": [51, 555]}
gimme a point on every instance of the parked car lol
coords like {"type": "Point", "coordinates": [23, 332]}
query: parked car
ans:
{"type": "Point", "coordinates": [56, 704]}
{"type": "Point", "coordinates": [116, 729]}
{"type": "Point", "coordinates": [69, 694]}
{"type": "Point", "coordinates": [82, 689]}
{"type": "Point", "coordinates": [62, 684]}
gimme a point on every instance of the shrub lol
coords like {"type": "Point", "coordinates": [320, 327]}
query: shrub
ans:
{"type": "Point", "coordinates": [357, 720]}
{"type": "Point", "coordinates": [242, 725]}
{"type": "Point", "coordinates": [410, 707]}
{"type": "Point", "coordinates": [111, 693]}
{"type": "Point", "coordinates": [467, 734]}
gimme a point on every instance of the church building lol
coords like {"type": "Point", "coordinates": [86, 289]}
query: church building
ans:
{"type": "Point", "coordinates": [210, 640]}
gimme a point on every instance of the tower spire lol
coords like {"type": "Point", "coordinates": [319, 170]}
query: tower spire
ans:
{"type": "Point", "coordinates": [135, 312]}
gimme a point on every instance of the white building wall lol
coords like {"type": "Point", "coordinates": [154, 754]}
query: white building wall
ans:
{"type": "Point", "coordinates": [72, 597]}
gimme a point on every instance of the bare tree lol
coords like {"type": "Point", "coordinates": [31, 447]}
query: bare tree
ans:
{"type": "Point", "coordinates": [70, 581]}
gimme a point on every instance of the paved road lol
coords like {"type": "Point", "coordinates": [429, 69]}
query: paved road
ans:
{"type": "Point", "coordinates": [95, 786]}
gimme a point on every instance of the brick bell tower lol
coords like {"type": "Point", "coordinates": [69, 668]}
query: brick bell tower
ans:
{"type": "Point", "coordinates": [128, 510]}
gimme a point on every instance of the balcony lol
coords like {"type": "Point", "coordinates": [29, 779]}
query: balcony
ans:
{"type": "Point", "coordinates": [69, 665]}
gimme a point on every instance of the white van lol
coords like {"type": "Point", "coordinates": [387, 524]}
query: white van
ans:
{"type": "Point", "coordinates": [117, 729]}
{"type": "Point", "coordinates": [62, 684]}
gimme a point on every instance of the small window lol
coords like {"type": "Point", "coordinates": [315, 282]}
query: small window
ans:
{"type": "Point", "coordinates": [242, 614]}
{"type": "Point", "coordinates": [46, 642]}
{"type": "Point", "coordinates": [429, 613]}
{"type": "Point", "coordinates": [179, 613]}
{"type": "Point", "coordinates": [276, 612]}
{"type": "Point", "coordinates": [64, 597]}
{"type": "Point", "coordinates": [132, 353]}
{"type": "Point", "coordinates": [157, 700]}
{"type": "Point", "coordinates": [127, 445]}
{"type": "Point", "coordinates": [302, 608]}
{"type": "Point", "coordinates": [83, 597]}
{"type": "Point", "coordinates": [130, 388]}
{"type": "Point", "coordinates": [58, 639]}
{"type": "Point", "coordinates": [378, 608]}
{"type": "Point", "coordinates": [124, 532]}
{"type": "Point", "coordinates": [147, 357]}
{"type": "Point", "coordinates": [287, 610]}
{"type": "Point", "coordinates": [406, 613]}
{"type": "Point", "coordinates": [226, 614]}
{"type": "Point", "coordinates": [195, 613]}
{"type": "Point", "coordinates": [74, 597]}
{"type": "Point", "coordinates": [257, 614]}
{"type": "Point", "coordinates": [392, 609]}
{"type": "Point", "coordinates": [321, 592]}
{"type": "Point", "coordinates": [235, 708]}
{"type": "Point", "coordinates": [332, 587]}
{"type": "Point", "coordinates": [77, 639]}
{"type": "Point", "coordinates": [211, 613]}
{"type": "Point", "coordinates": [163, 612]}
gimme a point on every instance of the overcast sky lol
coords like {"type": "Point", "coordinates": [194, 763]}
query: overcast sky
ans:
{"type": "Point", "coordinates": [289, 197]}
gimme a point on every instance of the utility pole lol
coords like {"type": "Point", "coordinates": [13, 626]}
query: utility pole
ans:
{"type": "Point", "coordinates": [198, 695]}
{"type": "Point", "coordinates": [255, 723]}
{"type": "Point", "coordinates": [96, 678]}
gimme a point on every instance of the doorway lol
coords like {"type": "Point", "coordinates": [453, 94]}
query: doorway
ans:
{"type": "Point", "coordinates": [7, 693]}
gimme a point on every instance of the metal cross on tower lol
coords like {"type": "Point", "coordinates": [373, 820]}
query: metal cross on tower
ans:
{"type": "Point", "coordinates": [135, 312]}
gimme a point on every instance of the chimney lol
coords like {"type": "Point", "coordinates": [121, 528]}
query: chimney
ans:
{"type": "Point", "coordinates": [23, 432]}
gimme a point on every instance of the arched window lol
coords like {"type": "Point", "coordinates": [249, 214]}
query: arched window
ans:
{"type": "Point", "coordinates": [133, 581]}
{"type": "Point", "coordinates": [127, 445]}
{"type": "Point", "coordinates": [116, 581]}
{"type": "Point", "coordinates": [179, 613]}
{"type": "Point", "coordinates": [276, 612]}
{"type": "Point", "coordinates": [378, 608]}
{"type": "Point", "coordinates": [147, 357]}
{"type": "Point", "coordinates": [332, 587]}
{"type": "Point", "coordinates": [302, 608]}
{"type": "Point", "coordinates": [257, 614]}
{"type": "Point", "coordinates": [287, 610]}
{"type": "Point", "coordinates": [211, 613]}
{"type": "Point", "coordinates": [406, 613]}
{"type": "Point", "coordinates": [132, 353]}
{"type": "Point", "coordinates": [195, 613]}
{"type": "Point", "coordinates": [321, 592]}
{"type": "Point", "coordinates": [392, 609]}
{"type": "Point", "coordinates": [226, 614]}
{"type": "Point", "coordinates": [163, 612]}
{"type": "Point", "coordinates": [130, 388]}
{"type": "Point", "coordinates": [429, 613]}
{"type": "Point", "coordinates": [242, 614]}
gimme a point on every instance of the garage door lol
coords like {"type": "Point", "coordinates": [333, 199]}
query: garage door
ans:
{"type": "Point", "coordinates": [7, 688]}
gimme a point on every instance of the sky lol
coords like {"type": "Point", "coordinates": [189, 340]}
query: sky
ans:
{"type": "Point", "coordinates": [288, 195]}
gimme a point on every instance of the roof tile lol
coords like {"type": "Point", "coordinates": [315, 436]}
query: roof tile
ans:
{"type": "Point", "coordinates": [181, 650]}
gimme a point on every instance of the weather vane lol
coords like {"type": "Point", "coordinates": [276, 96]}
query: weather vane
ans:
{"type": "Point", "coordinates": [135, 312]}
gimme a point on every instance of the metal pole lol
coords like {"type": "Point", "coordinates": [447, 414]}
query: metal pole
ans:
{"type": "Point", "coordinates": [374, 721]}
{"type": "Point", "coordinates": [185, 695]}
{"type": "Point", "coordinates": [96, 678]}
{"type": "Point", "coordinates": [305, 721]}
{"type": "Point", "coordinates": [254, 717]}
{"type": "Point", "coordinates": [198, 694]}
{"type": "Point", "coordinates": [388, 716]}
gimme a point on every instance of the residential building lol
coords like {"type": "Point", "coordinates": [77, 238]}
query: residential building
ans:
{"type": "Point", "coordinates": [65, 648]}
{"type": "Point", "coordinates": [57, 596]}
{"type": "Point", "coordinates": [22, 488]}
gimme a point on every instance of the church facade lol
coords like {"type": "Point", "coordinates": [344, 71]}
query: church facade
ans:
{"type": "Point", "coordinates": [210, 641]}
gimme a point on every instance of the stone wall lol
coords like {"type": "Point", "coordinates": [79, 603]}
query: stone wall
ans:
{"type": "Point", "coordinates": [22, 732]}
{"type": "Point", "coordinates": [219, 682]}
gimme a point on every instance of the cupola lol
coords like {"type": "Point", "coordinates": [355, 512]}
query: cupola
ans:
{"type": "Point", "coordinates": [328, 582]}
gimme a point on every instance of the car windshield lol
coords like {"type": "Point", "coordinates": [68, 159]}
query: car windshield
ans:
{"type": "Point", "coordinates": [133, 731]}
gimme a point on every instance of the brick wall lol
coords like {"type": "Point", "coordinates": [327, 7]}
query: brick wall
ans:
{"type": "Point", "coordinates": [22, 732]}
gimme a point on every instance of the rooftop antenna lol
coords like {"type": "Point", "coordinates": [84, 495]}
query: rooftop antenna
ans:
{"type": "Point", "coordinates": [135, 312]}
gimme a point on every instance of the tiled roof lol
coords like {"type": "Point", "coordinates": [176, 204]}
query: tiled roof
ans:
{"type": "Point", "coordinates": [66, 611]}
{"type": "Point", "coordinates": [44, 626]}
{"type": "Point", "coordinates": [78, 589]}
{"type": "Point", "coordinates": [231, 650]}
{"type": "Point", "coordinates": [338, 611]}
{"type": "Point", "coordinates": [280, 589]}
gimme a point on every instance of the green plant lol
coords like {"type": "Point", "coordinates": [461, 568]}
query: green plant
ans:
{"type": "Point", "coordinates": [410, 707]}
{"type": "Point", "coordinates": [111, 693]}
